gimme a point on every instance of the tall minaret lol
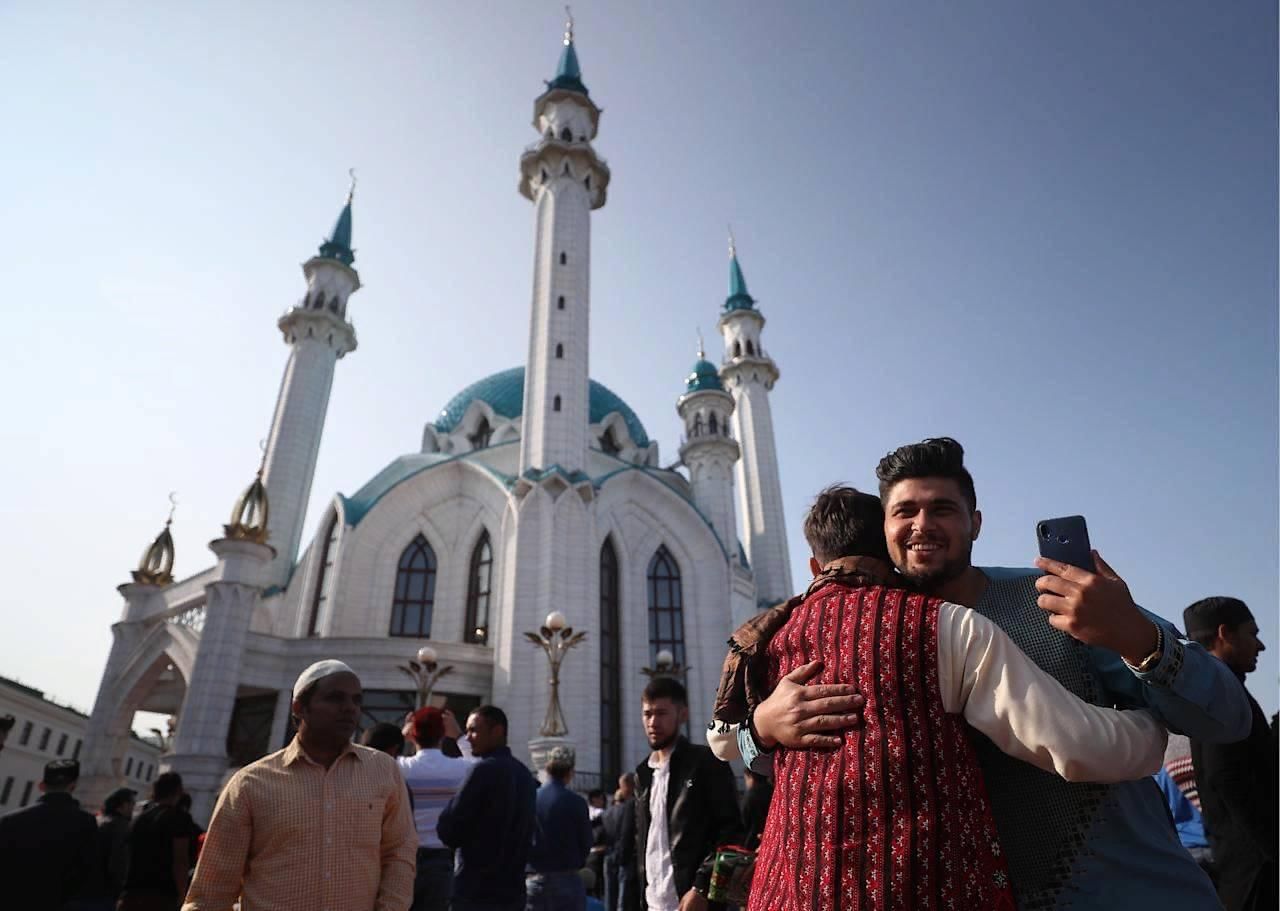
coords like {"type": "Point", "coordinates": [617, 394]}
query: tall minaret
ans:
{"type": "Point", "coordinates": [318, 332]}
{"type": "Point", "coordinates": [565, 179]}
{"type": "Point", "coordinates": [749, 374]}
{"type": "Point", "coordinates": [709, 450]}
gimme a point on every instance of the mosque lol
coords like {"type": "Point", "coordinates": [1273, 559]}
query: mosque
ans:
{"type": "Point", "coordinates": [536, 489]}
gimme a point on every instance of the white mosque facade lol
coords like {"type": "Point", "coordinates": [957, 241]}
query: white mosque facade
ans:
{"type": "Point", "coordinates": [536, 490]}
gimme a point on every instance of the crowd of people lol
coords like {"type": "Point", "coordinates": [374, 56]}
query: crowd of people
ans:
{"type": "Point", "coordinates": [916, 732]}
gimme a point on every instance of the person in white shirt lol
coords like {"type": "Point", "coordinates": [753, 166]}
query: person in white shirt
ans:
{"type": "Point", "coordinates": [433, 778]}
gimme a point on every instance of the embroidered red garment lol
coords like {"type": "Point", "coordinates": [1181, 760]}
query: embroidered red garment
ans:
{"type": "Point", "coordinates": [898, 816]}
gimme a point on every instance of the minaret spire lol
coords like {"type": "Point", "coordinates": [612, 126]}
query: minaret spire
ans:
{"type": "Point", "coordinates": [750, 374]}
{"type": "Point", "coordinates": [318, 333]}
{"type": "Point", "coordinates": [565, 180]}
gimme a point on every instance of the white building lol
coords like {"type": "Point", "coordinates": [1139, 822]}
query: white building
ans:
{"type": "Point", "coordinates": [44, 731]}
{"type": "Point", "coordinates": [535, 489]}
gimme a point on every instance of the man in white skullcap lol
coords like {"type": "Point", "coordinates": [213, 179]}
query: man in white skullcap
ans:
{"type": "Point", "coordinates": [323, 823]}
{"type": "Point", "coordinates": [562, 840]}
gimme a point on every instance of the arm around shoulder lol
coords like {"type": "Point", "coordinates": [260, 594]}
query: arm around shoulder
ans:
{"type": "Point", "coordinates": [1029, 715]}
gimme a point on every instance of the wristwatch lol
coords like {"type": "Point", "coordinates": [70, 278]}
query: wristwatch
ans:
{"type": "Point", "coordinates": [1148, 663]}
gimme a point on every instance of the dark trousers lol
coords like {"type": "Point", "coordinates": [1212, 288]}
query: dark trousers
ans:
{"type": "Point", "coordinates": [434, 880]}
{"type": "Point", "coordinates": [555, 892]}
{"type": "Point", "coordinates": [620, 886]}
{"type": "Point", "coordinates": [464, 904]}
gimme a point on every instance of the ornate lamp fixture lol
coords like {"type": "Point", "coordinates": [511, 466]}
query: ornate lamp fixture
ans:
{"type": "Point", "coordinates": [666, 666]}
{"type": "Point", "coordinates": [425, 673]}
{"type": "Point", "coordinates": [555, 638]}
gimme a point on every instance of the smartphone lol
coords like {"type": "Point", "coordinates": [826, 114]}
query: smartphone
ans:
{"type": "Point", "coordinates": [1066, 540]}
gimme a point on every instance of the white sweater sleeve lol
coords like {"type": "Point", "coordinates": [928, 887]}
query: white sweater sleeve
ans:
{"type": "Point", "coordinates": [1030, 715]}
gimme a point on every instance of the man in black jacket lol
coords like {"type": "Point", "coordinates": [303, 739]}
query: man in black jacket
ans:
{"type": "Point", "coordinates": [619, 823]}
{"type": "Point", "coordinates": [490, 820]}
{"type": "Point", "coordinates": [1238, 781]}
{"type": "Point", "coordinates": [49, 851]}
{"type": "Point", "coordinates": [686, 806]}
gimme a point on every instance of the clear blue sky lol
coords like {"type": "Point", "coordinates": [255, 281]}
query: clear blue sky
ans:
{"type": "Point", "coordinates": [1046, 229]}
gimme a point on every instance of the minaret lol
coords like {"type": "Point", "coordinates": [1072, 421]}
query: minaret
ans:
{"type": "Point", "coordinates": [750, 373]}
{"type": "Point", "coordinates": [318, 333]}
{"type": "Point", "coordinates": [200, 743]}
{"type": "Point", "coordinates": [709, 450]}
{"type": "Point", "coordinates": [565, 180]}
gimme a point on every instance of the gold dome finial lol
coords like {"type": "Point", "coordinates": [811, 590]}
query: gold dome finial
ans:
{"type": "Point", "coordinates": [702, 353]}
{"type": "Point", "coordinates": [156, 566]}
{"type": "Point", "coordinates": [249, 517]}
{"type": "Point", "coordinates": [733, 248]}
{"type": "Point", "coordinates": [351, 192]}
{"type": "Point", "coordinates": [568, 25]}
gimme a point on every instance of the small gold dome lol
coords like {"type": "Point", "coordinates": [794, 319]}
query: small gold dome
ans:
{"type": "Point", "coordinates": [156, 567]}
{"type": "Point", "coordinates": [249, 518]}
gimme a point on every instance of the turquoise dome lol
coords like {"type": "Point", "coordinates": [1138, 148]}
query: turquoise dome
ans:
{"type": "Point", "coordinates": [703, 376]}
{"type": "Point", "coordinates": [504, 393]}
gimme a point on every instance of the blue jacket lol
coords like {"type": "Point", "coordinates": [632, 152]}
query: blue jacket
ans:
{"type": "Point", "coordinates": [562, 837]}
{"type": "Point", "coordinates": [490, 821]}
{"type": "Point", "coordinates": [1186, 818]}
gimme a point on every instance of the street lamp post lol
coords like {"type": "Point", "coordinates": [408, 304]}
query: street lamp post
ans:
{"type": "Point", "coordinates": [555, 638]}
{"type": "Point", "coordinates": [425, 673]}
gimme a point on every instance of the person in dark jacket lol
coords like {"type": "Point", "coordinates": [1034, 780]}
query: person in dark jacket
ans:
{"type": "Point", "coordinates": [49, 850]}
{"type": "Point", "coordinates": [686, 806]}
{"type": "Point", "coordinates": [1238, 782]}
{"type": "Point", "coordinates": [562, 840]}
{"type": "Point", "coordinates": [490, 820]}
{"type": "Point", "coordinates": [113, 849]}
{"type": "Point", "coordinates": [619, 824]}
{"type": "Point", "coordinates": [159, 851]}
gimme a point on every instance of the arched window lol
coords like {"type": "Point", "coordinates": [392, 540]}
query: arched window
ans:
{"type": "Point", "coordinates": [610, 666]}
{"type": "Point", "coordinates": [319, 302]}
{"type": "Point", "coordinates": [609, 443]}
{"type": "Point", "coordinates": [697, 424]}
{"type": "Point", "coordinates": [751, 349]}
{"type": "Point", "coordinates": [555, 404]}
{"type": "Point", "coordinates": [566, 135]}
{"type": "Point", "coordinates": [324, 583]}
{"type": "Point", "coordinates": [415, 591]}
{"type": "Point", "coordinates": [559, 351]}
{"type": "Point", "coordinates": [484, 433]}
{"type": "Point", "coordinates": [666, 607]}
{"type": "Point", "coordinates": [712, 424]}
{"type": "Point", "coordinates": [563, 259]}
{"type": "Point", "coordinates": [560, 302]}
{"type": "Point", "coordinates": [737, 349]}
{"type": "Point", "coordinates": [480, 576]}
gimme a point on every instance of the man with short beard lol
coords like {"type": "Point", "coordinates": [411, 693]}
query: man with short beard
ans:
{"type": "Point", "coordinates": [1083, 845]}
{"type": "Point", "coordinates": [686, 806]}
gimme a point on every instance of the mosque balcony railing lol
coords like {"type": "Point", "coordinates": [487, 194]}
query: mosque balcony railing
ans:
{"type": "Point", "coordinates": [192, 618]}
{"type": "Point", "coordinates": [533, 147]}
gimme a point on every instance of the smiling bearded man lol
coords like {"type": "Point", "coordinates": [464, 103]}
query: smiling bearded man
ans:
{"type": "Point", "coordinates": [323, 823]}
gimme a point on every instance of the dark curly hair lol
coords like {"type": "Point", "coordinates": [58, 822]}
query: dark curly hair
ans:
{"type": "Point", "coordinates": [937, 457]}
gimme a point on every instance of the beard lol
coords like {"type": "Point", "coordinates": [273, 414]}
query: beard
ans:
{"type": "Point", "coordinates": [665, 742]}
{"type": "Point", "coordinates": [929, 582]}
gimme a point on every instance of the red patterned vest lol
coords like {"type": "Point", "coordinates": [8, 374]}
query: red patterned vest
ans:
{"type": "Point", "coordinates": [898, 817]}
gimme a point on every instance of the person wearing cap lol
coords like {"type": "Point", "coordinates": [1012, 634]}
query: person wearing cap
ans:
{"type": "Point", "coordinates": [48, 851]}
{"type": "Point", "coordinates": [490, 820]}
{"type": "Point", "coordinates": [323, 823]}
{"type": "Point", "coordinates": [113, 846]}
{"type": "Point", "coordinates": [433, 778]}
{"type": "Point", "coordinates": [561, 842]}
{"type": "Point", "coordinates": [1238, 781]}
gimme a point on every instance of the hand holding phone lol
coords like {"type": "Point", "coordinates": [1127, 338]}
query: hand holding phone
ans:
{"type": "Point", "coordinates": [1066, 539]}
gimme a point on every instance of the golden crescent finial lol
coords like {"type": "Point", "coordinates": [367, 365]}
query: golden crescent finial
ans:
{"type": "Point", "coordinates": [702, 353]}
{"type": "Point", "coordinates": [351, 192]}
{"type": "Point", "coordinates": [173, 505]}
{"type": "Point", "coordinates": [262, 464]}
{"type": "Point", "coordinates": [733, 249]}
{"type": "Point", "coordinates": [568, 25]}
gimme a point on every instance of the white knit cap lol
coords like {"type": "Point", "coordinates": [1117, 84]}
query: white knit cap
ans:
{"type": "Point", "coordinates": [318, 671]}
